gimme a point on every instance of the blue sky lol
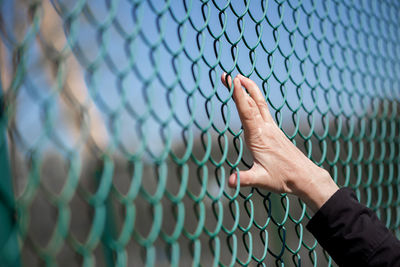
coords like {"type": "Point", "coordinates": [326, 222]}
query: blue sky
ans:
{"type": "Point", "coordinates": [335, 49]}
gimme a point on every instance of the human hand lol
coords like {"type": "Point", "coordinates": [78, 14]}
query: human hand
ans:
{"type": "Point", "coordinates": [279, 166]}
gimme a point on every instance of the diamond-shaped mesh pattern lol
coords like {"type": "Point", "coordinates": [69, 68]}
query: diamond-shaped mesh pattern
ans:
{"type": "Point", "coordinates": [121, 136]}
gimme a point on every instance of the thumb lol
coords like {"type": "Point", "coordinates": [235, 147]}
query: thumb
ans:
{"type": "Point", "coordinates": [246, 178]}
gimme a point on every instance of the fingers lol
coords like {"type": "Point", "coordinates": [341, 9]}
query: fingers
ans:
{"type": "Point", "coordinates": [258, 97]}
{"type": "Point", "coordinates": [254, 91]}
{"type": "Point", "coordinates": [238, 95]}
{"type": "Point", "coordinates": [245, 177]}
{"type": "Point", "coordinates": [256, 176]}
{"type": "Point", "coordinates": [224, 78]}
{"type": "Point", "coordinates": [247, 108]}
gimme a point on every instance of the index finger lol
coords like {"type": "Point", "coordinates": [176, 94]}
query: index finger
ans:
{"type": "Point", "coordinates": [247, 108]}
{"type": "Point", "coordinates": [258, 97]}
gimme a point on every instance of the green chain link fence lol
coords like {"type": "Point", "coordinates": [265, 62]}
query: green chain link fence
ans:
{"type": "Point", "coordinates": [120, 136]}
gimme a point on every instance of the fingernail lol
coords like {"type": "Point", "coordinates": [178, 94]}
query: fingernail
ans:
{"type": "Point", "coordinates": [232, 179]}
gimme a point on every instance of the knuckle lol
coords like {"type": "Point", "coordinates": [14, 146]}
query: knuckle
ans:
{"type": "Point", "coordinates": [250, 114]}
{"type": "Point", "coordinates": [251, 102]}
{"type": "Point", "coordinates": [263, 105]}
{"type": "Point", "coordinates": [246, 182]}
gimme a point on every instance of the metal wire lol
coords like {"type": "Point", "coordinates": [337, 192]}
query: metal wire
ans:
{"type": "Point", "coordinates": [121, 137]}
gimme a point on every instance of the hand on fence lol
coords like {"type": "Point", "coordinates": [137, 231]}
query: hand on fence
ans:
{"type": "Point", "coordinates": [279, 166]}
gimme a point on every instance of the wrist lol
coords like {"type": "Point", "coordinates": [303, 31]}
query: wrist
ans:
{"type": "Point", "coordinates": [316, 189]}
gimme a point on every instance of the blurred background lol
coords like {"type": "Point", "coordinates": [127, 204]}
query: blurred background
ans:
{"type": "Point", "coordinates": [117, 136]}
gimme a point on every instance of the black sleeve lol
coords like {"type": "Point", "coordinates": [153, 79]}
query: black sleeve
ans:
{"type": "Point", "coordinates": [352, 234]}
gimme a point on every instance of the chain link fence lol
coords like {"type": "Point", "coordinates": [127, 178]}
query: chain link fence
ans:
{"type": "Point", "coordinates": [118, 137]}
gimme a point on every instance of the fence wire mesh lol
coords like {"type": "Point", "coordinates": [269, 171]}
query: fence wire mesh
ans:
{"type": "Point", "coordinates": [121, 137]}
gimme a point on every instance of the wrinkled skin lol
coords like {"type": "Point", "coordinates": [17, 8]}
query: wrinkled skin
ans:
{"type": "Point", "coordinates": [279, 166]}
